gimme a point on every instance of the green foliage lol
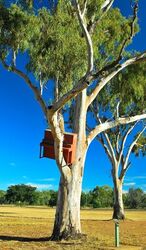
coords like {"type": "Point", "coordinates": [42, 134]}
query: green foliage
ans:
{"type": "Point", "coordinates": [108, 39]}
{"type": "Point", "coordinates": [132, 89]}
{"type": "Point", "coordinates": [94, 9]}
{"type": "Point", "coordinates": [43, 197]}
{"type": "Point", "coordinates": [52, 42]}
{"type": "Point", "coordinates": [53, 198]}
{"type": "Point", "coordinates": [101, 197]}
{"type": "Point", "coordinates": [85, 199]}
{"type": "Point", "coordinates": [27, 195]}
{"type": "Point", "coordinates": [2, 196]}
{"type": "Point", "coordinates": [128, 88]}
{"type": "Point", "coordinates": [135, 198]}
{"type": "Point", "coordinates": [26, 4]}
{"type": "Point", "coordinates": [140, 146]}
{"type": "Point", "coordinates": [21, 194]}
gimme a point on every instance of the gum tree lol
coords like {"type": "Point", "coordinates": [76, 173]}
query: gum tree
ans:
{"type": "Point", "coordinates": [79, 45]}
{"type": "Point", "coordinates": [119, 151]}
{"type": "Point", "coordinates": [125, 96]}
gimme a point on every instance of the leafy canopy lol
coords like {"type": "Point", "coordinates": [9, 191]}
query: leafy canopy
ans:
{"type": "Point", "coordinates": [53, 41]}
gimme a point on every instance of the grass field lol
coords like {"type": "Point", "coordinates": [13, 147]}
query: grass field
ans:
{"type": "Point", "coordinates": [29, 229]}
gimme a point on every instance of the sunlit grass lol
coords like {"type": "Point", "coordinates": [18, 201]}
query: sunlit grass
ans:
{"type": "Point", "coordinates": [29, 229]}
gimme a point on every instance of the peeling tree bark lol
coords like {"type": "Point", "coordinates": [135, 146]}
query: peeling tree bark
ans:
{"type": "Point", "coordinates": [67, 218]}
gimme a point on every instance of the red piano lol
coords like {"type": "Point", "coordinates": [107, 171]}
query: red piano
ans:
{"type": "Point", "coordinates": [69, 146]}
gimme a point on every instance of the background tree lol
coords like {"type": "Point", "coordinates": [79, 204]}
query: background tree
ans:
{"type": "Point", "coordinates": [2, 196]}
{"type": "Point", "coordinates": [18, 194]}
{"type": "Point", "coordinates": [53, 198]}
{"type": "Point", "coordinates": [84, 199]}
{"type": "Point", "coordinates": [102, 197]}
{"type": "Point", "coordinates": [125, 96]}
{"type": "Point", "coordinates": [135, 198]}
{"type": "Point", "coordinates": [80, 46]}
{"type": "Point", "coordinates": [43, 197]}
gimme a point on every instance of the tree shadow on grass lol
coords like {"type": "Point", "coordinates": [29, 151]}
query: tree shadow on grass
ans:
{"type": "Point", "coordinates": [27, 239]}
{"type": "Point", "coordinates": [69, 243]}
{"type": "Point", "coordinates": [23, 239]}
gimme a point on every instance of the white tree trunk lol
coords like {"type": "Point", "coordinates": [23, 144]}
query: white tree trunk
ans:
{"type": "Point", "coordinates": [118, 212]}
{"type": "Point", "coordinates": [67, 218]}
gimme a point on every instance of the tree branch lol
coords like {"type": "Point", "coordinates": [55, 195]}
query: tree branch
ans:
{"type": "Point", "coordinates": [86, 81]}
{"type": "Point", "coordinates": [123, 172]}
{"type": "Point", "coordinates": [85, 8]}
{"type": "Point", "coordinates": [105, 7]}
{"type": "Point", "coordinates": [108, 125]}
{"type": "Point", "coordinates": [126, 165]}
{"type": "Point", "coordinates": [109, 144]}
{"type": "Point", "coordinates": [29, 83]}
{"type": "Point", "coordinates": [117, 109]}
{"type": "Point", "coordinates": [131, 35]}
{"type": "Point", "coordinates": [131, 147]}
{"type": "Point", "coordinates": [135, 10]}
{"type": "Point", "coordinates": [124, 141]}
{"type": "Point", "coordinates": [87, 37]}
{"type": "Point", "coordinates": [116, 70]}
{"type": "Point", "coordinates": [106, 148]}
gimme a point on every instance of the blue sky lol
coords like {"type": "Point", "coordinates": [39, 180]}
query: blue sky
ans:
{"type": "Point", "coordinates": [22, 127]}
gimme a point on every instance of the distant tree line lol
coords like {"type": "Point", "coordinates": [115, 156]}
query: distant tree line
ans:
{"type": "Point", "coordinates": [27, 195]}
{"type": "Point", "coordinates": [99, 197]}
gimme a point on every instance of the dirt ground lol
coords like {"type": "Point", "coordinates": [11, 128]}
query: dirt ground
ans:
{"type": "Point", "coordinates": [29, 229]}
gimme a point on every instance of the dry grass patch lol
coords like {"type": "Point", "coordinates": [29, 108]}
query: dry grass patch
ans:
{"type": "Point", "coordinates": [30, 228]}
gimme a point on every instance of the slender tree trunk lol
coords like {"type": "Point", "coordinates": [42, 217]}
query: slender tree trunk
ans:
{"type": "Point", "coordinates": [118, 212]}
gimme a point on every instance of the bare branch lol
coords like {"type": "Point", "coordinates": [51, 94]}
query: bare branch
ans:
{"type": "Point", "coordinates": [96, 115]}
{"type": "Point", "coordinates": [41, 83]}
{"type": "Point", "coordinates": [87, 37]}
{"type": "Point", "coordinates": [85, 8]}
{"type": "Point", "coordinates": [93, 23]}
{"type": "Point", "coordinates": [118, 135]}
{"type": "Point", "coordinates": [123, 171]}
{"type": "Point", "coordinates": [131, 147]}
{"type": "Point", "coordinates": [56, 97]}
{"type": "Point", "coordinates": [106, 5]}
{"type": "Point", "coordinates": [108, 125]}
{"type": "Point", "coordinates": [117, 109]}
{"type": "Point", "coordinates": [124, 141]}
{"type": "Point", "coordinates": [106, 148]}
{"type": "Point", "coordinates": [29, 83]}
{"type": "Point", "coordinates": [14, 58]}
{"type": "Point", "coordinates": [117, 143]}
{"type": "Point", "coordinates": [111, 149]}
{"type": "Point", "coordinates": [126, 164]}
{"type": "Point", "coordinates": [135, 10]}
